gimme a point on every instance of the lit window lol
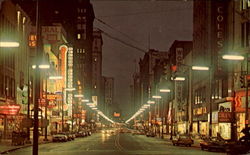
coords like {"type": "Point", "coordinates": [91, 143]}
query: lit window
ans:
{"type": "Point", "coordinates": [78, 36]}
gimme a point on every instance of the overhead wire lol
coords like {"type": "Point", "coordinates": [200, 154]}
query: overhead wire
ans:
{"type": "Point", "coordinates": [142, 13]}
{"type": "Point", "coordinates": [123, 42]}
{"type": "Point", "coordinates": [124, 34]}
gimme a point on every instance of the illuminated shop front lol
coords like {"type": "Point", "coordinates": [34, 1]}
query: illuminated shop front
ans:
{"type": "Point", "coordinates": [224, 118]}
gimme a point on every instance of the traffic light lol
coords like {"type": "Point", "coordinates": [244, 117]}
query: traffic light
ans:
{"type": "Point", "coordinates": [242, 81]}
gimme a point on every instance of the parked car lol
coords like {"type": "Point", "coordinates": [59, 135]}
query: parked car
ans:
{"type": "Point", "coordinates": [81, 134]}
{"type": "Point", "coordinates": [183, 140]}
{"type": "Point", "coordinates": [150, 134]}
{"type": "Point", "coordinates": [70, 135]}
{"type": "Point", "coordinates": [89, 132]}
{"type": "Point", "coordinates": [213, 143]}
{"type": "Point", "coordinates": [59, 138]}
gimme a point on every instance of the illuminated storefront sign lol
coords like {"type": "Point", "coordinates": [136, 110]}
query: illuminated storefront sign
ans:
{"type": "Point", "coordinates": [9, 109]}
{"type": "Point", "coordinates": [224, 116]}
{"type": "Point", "coordinates": [200, 111]}
{"type": "Point", "coordinates": [70, 78]}
{"type": "Point", "coordinates": [51, 34]}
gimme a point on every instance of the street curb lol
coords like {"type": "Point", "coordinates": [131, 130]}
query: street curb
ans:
{"type": "Point", "coordinates": [21, 147]}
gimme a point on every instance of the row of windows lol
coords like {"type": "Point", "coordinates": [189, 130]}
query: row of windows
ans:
{"type": "Point", "coordinates": [200, 95]}
{"type": "Point", "coordinates": [81, 10]}
{"type": "Point", "coordinates": [80, 50]}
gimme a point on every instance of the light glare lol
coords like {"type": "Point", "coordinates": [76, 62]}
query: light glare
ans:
{"type": "Point", "coordinates": [9, 44]}
{"type": "Point", "coordinates": [233, 57]}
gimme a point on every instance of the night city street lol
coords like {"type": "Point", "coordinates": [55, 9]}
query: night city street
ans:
{"type": "Point", "coordinates": [114, 144]}
{"type": "Point", "coordinates": [121, 77]}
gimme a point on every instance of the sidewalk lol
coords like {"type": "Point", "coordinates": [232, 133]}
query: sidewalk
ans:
{"type": "Point", "coordinates": [5, 144]}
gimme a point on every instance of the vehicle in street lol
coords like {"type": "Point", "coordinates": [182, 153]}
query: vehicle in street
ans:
{"type": "Point", "coordinates": [185, 140]}
{"type": "Point", "coordinates": [81, 134]}
{"type": "Point", "coordinates": [138, 132]}
{"type": "Point", "coordinates": [59, 138]}
{"type": "Point", "coordinates": [213, 144]}
{"type": "Point", "coordinates": [150, 134]}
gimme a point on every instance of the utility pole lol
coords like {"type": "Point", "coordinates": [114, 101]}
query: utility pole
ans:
{"type": "Point", "coordinates": [37, 80]}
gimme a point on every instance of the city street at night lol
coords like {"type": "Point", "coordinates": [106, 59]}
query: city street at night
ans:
{"type": "Point", "coordinates": [114, 144]}
{"type": "Point", "coordinates": [124, 77]}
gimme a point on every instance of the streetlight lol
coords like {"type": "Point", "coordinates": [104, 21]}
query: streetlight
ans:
{"type": "Point", "coordinates": [9, 44]}
{"type": "Point", "coordinates": [163, 109]}
{"type": "Point", "coordinates": [79, 96]}
{"type": "Point", "coordinates": [156, 97]}
{"type": "Point", "coordinates": [85, 100]}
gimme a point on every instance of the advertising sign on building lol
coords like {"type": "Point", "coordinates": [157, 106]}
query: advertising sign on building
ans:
{"type": "Point", "coordinates": [10, 109]}
{"type": "Point", "coordinates": [224, 116]}
{"type": "Point", "coordinates": [70, 78]}
{"type": "Point", "coordinates": [219, 31]}
{"type": "Point", "coordinates": [51, 34]}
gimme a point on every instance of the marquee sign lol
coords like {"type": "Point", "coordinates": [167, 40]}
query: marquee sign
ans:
{"type": "Point", "coordinates": [10, 109]}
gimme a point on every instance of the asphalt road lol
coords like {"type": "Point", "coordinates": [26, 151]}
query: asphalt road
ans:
{"type": "Point", "coordinates": [114, 144]}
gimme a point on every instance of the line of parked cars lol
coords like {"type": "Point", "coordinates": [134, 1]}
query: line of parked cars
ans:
{"type": "Point", "coordinates": [68, 136]}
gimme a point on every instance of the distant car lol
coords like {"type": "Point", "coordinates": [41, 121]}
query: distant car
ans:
{"type": "Point", "coordinates": [214, 143]}
{"type": "Point", "coordinates": [66, 134]}
{"type": "Point", "coordinates": [182, 140]}
{"type": "Point", "coordinates": [59, 138]}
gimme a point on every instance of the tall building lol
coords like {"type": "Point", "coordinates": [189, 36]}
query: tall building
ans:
{"type": "Point", "coordinates": [148, 86]}
{"type": "Point", "coordinates": [15, 26]}
{"type": "Point", "coordinates": [77, 19]}
{"type": "Point", "coordinates": [108, 94]}
{"type": "Point", "coordinates": [178, 52]}
{"type": "Point", "coordinates": [147, 65]}
{"type": "Point", "coordinates": [210, 36]}
{"type": "Point", "coordinates": [97, 66]}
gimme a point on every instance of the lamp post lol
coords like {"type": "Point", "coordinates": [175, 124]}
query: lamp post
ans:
{"type": "Point", "coordinates": [163, 109]}
{"type": "Point", "coordinates": [234, 57]}
{"type": "Point", "coordinates": [157, 97]}
{"type": "Point", "coordinates": [64, 90]}
{"type": "Point", "coordinates": [78, 96]}
{"type": "Point", "coordinates": [189, 114]}
{"type": "Point", "coordinates": [46, 102]}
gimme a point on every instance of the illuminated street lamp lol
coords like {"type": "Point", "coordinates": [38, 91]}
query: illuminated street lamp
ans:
{"type": "Point", "coordinates": [78, 95]}
{"type": "Point", "coordinates": [201, 68]}
{"type": "Point", "coordinates": [156, 97]}
{"type": "Point", "coordinates": [9, 44]}
{"type": "Point", "coordinates": [85, 100]}
{"type": "Point", "coordinates": [55, 77]}
{"type": "Point", "coordinates": [233, 57]}
{"type": "Point", "coordinates": [179, 78]}
{"type": "Point", "coordinates": [164, 90]}
{"type": "Point", "coordinates": [151, 102]}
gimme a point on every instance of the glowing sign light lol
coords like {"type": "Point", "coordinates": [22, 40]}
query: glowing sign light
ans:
{"type": "Point", "coordinates": [9, 109]}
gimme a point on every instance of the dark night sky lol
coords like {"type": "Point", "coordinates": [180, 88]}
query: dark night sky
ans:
{"type": "Point", "coordinates": [161, 21]}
